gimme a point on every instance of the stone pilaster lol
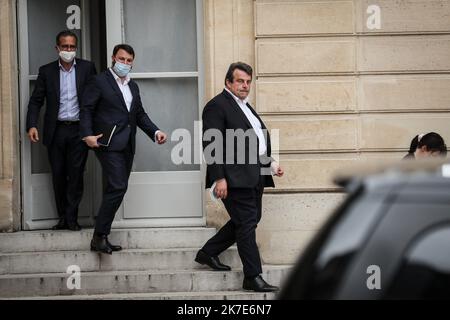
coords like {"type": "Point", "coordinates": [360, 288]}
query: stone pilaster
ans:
{"type": "Point", "coordinates": [9, 107]}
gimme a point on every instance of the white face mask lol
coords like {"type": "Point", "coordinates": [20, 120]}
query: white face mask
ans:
{"type": "Point", "coordinates": [67, 56]}
{"type": "Point", "coordinates": [121, 69]}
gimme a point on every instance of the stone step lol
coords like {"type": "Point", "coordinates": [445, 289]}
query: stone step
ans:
{"type": "Point", "coordinates": [149, 238]}
{"type": "Point", "coordinates": [217, 295]}
{"type": "Point", "coordinates": [124, 282]}
{"type": "Point", "coordinates": [125, 260]}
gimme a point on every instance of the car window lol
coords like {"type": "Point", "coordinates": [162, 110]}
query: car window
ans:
{"type": "Point", "coordinates": [425, 271]}
{"type": "Point", "coordinates": [344, 242]}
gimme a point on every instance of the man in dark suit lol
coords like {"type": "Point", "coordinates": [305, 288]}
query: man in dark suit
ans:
{"type": "Point", "coordinates": [238, 173]}
{"type": "Point", "coordinates": [112, 99]}
{"type": "Point", "coordinates": [61, 84]}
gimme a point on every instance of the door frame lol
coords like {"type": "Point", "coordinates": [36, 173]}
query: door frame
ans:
{"type": "Point", "coordinates": [28, 180]}
{"type": "Point", "coordinates": [114, 33]}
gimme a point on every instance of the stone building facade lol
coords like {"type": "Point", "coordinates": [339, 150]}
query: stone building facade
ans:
{"type": "Point", "coordinates": [344, 82]}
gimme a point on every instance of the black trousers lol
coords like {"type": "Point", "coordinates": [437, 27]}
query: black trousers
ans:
{"type": "Point", "coordinates": [244, 207]}
{"type": "Point", "coordinates": [116, 169]}
{"type": "Point", "coordinates": [67, 155]}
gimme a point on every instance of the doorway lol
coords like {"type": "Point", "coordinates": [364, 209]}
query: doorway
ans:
{"type": "Point", "coordinates": [167, 38]}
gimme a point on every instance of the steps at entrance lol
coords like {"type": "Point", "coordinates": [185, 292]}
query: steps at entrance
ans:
{"type": "Point", "coordinates": [218, 295]}
{"type": "Point", "coordinates": [31, 241]}
{"type": "Point", "coordinates": [135, 259]}
{"type": "Point", "coordinates": [126, 282]}
{"type": "Point", "coordinates": [156, 263]}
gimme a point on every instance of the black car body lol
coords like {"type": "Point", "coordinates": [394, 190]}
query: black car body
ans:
{"type": "Point", "coordinates": [390, 239]}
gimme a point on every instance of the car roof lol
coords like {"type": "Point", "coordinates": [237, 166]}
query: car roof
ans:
{"type": "Point", "coordinates": [379, 174]}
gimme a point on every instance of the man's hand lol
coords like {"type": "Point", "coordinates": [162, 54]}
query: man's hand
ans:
{"type": "Point", "coordinates": [161, 137]}
{"type": "Point", "coordinates": [33, 135]}
{"type": "Point", "coordinates": [91, 141]}
{"type": "Point", "coordinates": [221, 189]}
{"type": "Point", "coordinates": [276, 169]}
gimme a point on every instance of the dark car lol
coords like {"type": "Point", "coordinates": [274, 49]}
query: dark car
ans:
{"type": "Point", "coordinates": [390, 239]}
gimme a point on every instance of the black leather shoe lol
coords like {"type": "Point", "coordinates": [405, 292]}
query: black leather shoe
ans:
{"type": "Point", "coordinates": [113, 247]}
{"type": "Point", "coordinates": [74, 227]}
{"type": "Point", "coordinates": [213, 262]}
{"type": "Point", "coordinates": [100, 244]}
{"type": "Point", "coordinates": [61, 225]}
{"type": "Point", "coordinates": [258, 284]}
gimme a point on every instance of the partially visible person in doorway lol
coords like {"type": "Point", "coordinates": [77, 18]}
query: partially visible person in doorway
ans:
{"type": "Point", "coordinates": [427, 145]}
{"type": "Point", "coordinates": [61, 84]}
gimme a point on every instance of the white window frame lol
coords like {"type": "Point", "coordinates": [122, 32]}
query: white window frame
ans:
{"type": "Point", "coordinates": [115, 33]}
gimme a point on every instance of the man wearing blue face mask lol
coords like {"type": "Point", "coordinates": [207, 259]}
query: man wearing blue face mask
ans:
{"type": "Point", "coordinates": [112, 107]}
{"type": "Point", "coordinates": [60, 84]}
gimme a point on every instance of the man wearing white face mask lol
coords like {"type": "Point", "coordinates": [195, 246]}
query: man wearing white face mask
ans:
{"type": "Point", "coordinates": [112, 103]}
{"type": "Point", "coordinates": [61, 84]}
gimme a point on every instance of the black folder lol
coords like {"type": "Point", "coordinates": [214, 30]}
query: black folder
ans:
{"type": "Point", "coordinates": [107, 130]}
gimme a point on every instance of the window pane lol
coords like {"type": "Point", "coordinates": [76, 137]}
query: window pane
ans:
{"type": "Point", "coordinates": [171, 104]}
{"type": "Point", "coordinates": [39, 157]}
{"type": "Point", "coordinates": [163, 34]}
{"type": "Point", "coordinates": [46, 18]}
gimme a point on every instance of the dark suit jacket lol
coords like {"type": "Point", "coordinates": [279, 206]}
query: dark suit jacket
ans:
{"type": "Point", "coordinates": [103, 104]}
{"type": "Point", "coordinates": [47, 88]}
{"type": "Point", "coordinates": [223, 113]}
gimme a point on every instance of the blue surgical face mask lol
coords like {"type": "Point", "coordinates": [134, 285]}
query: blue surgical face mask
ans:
{"type": "Point", "coordinates": [121, 69]}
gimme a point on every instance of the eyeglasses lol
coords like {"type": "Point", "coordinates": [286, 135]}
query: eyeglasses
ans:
{"type": "Point", "coordinates": [68, 47]}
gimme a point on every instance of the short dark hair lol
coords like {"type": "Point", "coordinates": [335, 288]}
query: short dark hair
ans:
{"type": "Point", "coordinates": [129, 49]}
{"type": "Point", "coordinates": [66, 33]}
{"type": "Point", "coordinates": [238, 65]}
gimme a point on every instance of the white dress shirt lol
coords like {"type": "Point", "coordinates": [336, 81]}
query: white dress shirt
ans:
{"type": "Point", "coordinates": [256, 124]}
{"type": "Point", "coordinates": [124, 88]}
{"type": "Point", "coordinates": [69, 109]}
